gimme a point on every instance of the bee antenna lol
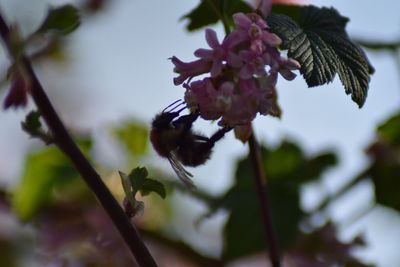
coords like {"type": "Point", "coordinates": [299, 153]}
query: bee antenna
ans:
{"type": "Point", "coordinates": [179, 111]}
{"type": "Point", "coordinates": [170, 105]}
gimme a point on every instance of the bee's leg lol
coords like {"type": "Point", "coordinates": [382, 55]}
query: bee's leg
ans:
{"type": "Point", "coordinates": [219, 135]}
{"type": "Point", "coordinates": [201, 138]}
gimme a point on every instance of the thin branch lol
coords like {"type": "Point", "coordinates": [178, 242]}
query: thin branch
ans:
{"type": "Point", "coordinates": [262, 193]}
{"type": "Point", "coordinates": [379, 45]}
{"type": "Point", "coordinates": [343, 190]}
{"type": "Point", "coordinates": [64, 141]}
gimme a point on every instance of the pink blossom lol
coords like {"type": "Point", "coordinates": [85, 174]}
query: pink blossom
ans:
{"type": "Point", "coordinates": [201, 95]}
{"type": "Point", "coordinates": [188, 70]}
{"type": "Point", "coordinates": [243, 72]}
{"type": "Point", "coordinates": [253, 64]}
{"type": "Point", "coordinates": [216, 55]}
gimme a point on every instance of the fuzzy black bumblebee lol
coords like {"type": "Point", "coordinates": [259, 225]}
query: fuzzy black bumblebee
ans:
{"type": "Point", "coordinates": [173, 138]}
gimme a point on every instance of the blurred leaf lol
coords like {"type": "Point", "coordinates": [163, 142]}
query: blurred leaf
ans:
{"type": "Point", "coordinates": [62, 20]}
{"type": "Point", "coordinates": [319, 41]}
{"type": "Point", "coordinates": [43, 171]}
{"type": "Point", "coordinates": [389, 131]}
{"type": "Point", "coordinates": [134, 137]}
{"type": "Point", "coordinates": [287, 168]}
{"type": "Point", "coordinates": [206, 14]}
{"type": "Point", "coordinates": [7, 255]}
{"type": "Point", "coordinates": [292, 11]}
{"type": "Point", "coordinates": [322, 248]}
{"type": "Point", "coordinates": [385, 165]}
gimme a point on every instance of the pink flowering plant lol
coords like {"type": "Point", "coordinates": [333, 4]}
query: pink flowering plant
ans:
{"type": "Point", "coordinates": [242, 72]}
{"type": "Point", "coordinates": [232, 81]}
{"type": "Point", "coordinates": [239, 74]}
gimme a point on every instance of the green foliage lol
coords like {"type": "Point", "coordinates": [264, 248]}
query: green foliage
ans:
{"type": "Point", "coordinates": [137, 181]}
{"type": "Point", "coordinates": [32, 121]}
{"type": "Point", "coordinates": [140, 182]}
{"type": "Point", "coordinates": [7, 255]}
{"type": "Point", "coordinates": [134, 137]}
{"type": "Point", "coordinates": [319, 42]}
{"type": "Point", "coordinates": [210, 12]}
{"type": "Point", "coordinates": [33, 127]}
{"type": "Point", "coordinates": [61, 20]}
{"type": "Point", "coordinates": [44, 170]}
{"type": "Point", "coordinates": [287, 169]}
{"type": "Point", "coordinates": [385, 166]}
{"type": "Point", "coordinates": [389, 131]}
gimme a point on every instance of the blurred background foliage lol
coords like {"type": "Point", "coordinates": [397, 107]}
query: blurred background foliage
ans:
{"type": "Point", "coordinates": [51, 219]}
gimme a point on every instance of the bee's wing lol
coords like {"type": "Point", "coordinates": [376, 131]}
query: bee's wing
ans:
{"type": "Point", "coordinates": [183, 174]}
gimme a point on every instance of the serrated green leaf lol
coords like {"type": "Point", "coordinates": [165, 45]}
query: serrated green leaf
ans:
{"type": "Point", "coordinates": [319, 42]}
{"type": "Point", "coordinates": [134, 137]}
{"type": "Point", "coordinates": [151, 185]}
{"type": "Point", "coordinates": [206, 14]}
{"type": "Point", "coordinates": [62, 20]}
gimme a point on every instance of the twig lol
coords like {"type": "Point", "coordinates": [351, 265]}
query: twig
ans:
{"type": "Point", "coordinates": [64, 141]}
{"type": "Point", "coordinates": [262, 193]}
{"type": "Point", "coordinates": [344, 189]}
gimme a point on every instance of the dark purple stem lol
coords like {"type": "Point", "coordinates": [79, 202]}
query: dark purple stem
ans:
{"type": "Point", "coordinates": [262, 191]}
{"type": "Point", "coordinates": [64, 141]}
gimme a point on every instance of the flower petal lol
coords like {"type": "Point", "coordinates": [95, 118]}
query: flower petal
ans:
{"type": "Point", "coordinates": [212, 39]}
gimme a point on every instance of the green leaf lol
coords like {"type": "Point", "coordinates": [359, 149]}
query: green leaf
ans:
{"type": "Point", "coordinates": [134, 137]}
{"type": "Point", "coordinates": [32, 121]}
{"type": "Point", "coordinates": [62, 20]}
{"type": "Point", "coordinates": [140, 182]}
{"type": "Point", "coordinates": [319, 42]}
{"type": "Point", "coordinates": [389, 131]}
{"type": "Point", "coordinates": [137, 177]}
{"type": "Point", "coordinates": [43, 170]}
{"type": "Point", "coordinates": [385, 165]}
{"type": "Point", "coordinates": [206, 14]}
{"type": "Point", "coordinates": [287, 168]}
{"type": "Point", "coordinates": [244, 230]}
{"type": "Point", "coordinates": [155, 186]}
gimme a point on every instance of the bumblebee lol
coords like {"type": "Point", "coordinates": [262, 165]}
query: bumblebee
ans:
{"type": "Point", "coordinates": [173, 138]}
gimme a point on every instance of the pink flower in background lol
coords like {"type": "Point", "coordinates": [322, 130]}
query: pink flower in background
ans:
{"type": "Point", "coordinates": [243, 71]}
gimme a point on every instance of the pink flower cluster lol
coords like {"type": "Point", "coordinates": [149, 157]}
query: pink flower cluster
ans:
{"type": "Point", "coordinates": [243, 71]}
